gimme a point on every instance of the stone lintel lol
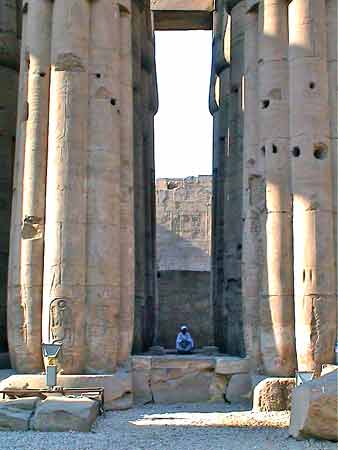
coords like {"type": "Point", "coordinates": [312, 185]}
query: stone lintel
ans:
{"type": "Point", "coordinates": [172, 15]}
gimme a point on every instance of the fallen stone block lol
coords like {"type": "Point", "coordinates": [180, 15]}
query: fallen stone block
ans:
{"type": "Point", "coordinates": [273, 394]}
{"type": "Point", "coordinates": [14, 419]}
{"type": "Point", "coordinates": [59, 413]}
{"type": "Point", "coordinates": [314, 411]}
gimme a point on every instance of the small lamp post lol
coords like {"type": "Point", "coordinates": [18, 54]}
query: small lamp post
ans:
{"type": "Point", "coordinates": [51, 351]}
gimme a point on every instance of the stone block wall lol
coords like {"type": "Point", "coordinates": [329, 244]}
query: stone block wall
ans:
{"type": "Point", "coordinates": [183, 209]}
{"type": "Point", "coordinates": [184, 298]}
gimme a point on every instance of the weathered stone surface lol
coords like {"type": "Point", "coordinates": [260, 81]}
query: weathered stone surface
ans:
{"type": "Point", "coordinates": [58, 413]}
{"type": "Point", "coordinates": [229, 365]}
{"type": "Point", "coordinates": [218, 387]}
{"type": "Point", "coordinates": [239, 388]}
{"type": "Point", "coordinates": [181, 385]}
{"type": "Point", "coordinates": [314, 411]}
{"type": "Point", "coordinates": [273, 394]}
{"type": "Point", "coordinates": [25, 403]}
{"type": "Point", "coordinates": [182, 15]}
{"type": "Point", "coordinates": [14, 419]}
{"type": "Point", "coordinates": [183, 362]}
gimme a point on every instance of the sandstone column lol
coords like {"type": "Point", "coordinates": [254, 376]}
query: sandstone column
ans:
{"type": "Point", "coordinates": [253, 196]}
{"type": "Point", "coordinates": [314, 269]}
{"type": "Point", "coordinates": [139, 198]}
{"type": "Point", "coordinates": [65, 259]}
{"type": "Point", "coordinates": [277, 307]}
{"type": "Point", "coordinates": [9, 64]}
{"type": "Point", "coordinates": [103, 171]}
{"type": "Point", "coordinates": [234, 188]}
{"type": "Point", "coordinates": [25, 284]}
{"type": "Point", "coordinates": [219, 108]}
{"type": "Point", "coordinates": [332, 21]}
{"type": "Point", "coordinates": [127, 249]}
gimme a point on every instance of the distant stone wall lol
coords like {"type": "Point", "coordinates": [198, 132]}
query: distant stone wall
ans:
{"type": "Point", "coordinates": [183, 212]}
{"type": "Point", "coordinates": [183, 217]}
{"type": "Point", "coordinates": [184, 298]}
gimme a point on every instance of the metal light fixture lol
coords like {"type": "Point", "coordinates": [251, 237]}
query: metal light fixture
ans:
{"type": "Point", "coordinates": [304, 377]}
{"type": "Point", "coordinates": [51, 351]}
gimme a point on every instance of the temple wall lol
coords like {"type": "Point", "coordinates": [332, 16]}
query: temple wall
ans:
{"type": "Point", "coordinates": [183, 213]}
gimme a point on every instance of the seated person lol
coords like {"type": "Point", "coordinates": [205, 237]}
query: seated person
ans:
{"type": "Point", "coordinates": [184, 342]}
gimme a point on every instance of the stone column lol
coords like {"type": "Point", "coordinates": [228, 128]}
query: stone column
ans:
{"type": "Point", "coordinates": [312, 168]}
{"type": "Point", "coordinates": [332, 21]}
{"type": "Point", "coordinates": [234, 188]}
{"type": "Point", "coordinates": [27, 244]}
{"type": "Point", "coordinates": [277, 307]}
{"type": "Point", "coordinates": [127, 249]}
{"type": "Point", "coordinates": [219, 108]}
{"type": "Point", "coordinates": [139, 198]}
{"type": "Point", "coordinates": [253, 196]}
{"type": "Point", "coordinates": [85, 103]}
{"type": "Point", "coordinates": [9, 64]}
{"type": "Point", "coordinates": [103, 171]}
{"type": "Point", "coordinates": [65, 258]}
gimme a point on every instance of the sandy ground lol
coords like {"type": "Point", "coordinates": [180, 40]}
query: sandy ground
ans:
{"type": "Point", "coordinates": [173, 427]}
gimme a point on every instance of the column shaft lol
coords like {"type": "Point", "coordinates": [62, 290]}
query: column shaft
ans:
{"type": "Point", "coordinates": [253, 196]}
{"type": "Point", "coordinates": [314, 268]}
{"type": "Point", "coordinates": [66, 212]}
{"type": "Point", "coordinates": [103, 171]}
{"type": "Point", "coordinates": [277, 307]}
{"type": "Point", "coordinates": [127, 249]}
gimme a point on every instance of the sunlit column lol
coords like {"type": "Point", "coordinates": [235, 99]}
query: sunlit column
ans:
{"type": "Point", "coordinates": [312, 165]}
{"type": "Point", "coordinates": [103, 171]}
{"type": "Point", "coordinates": [64, 294]}
{"type": "Point", "coordinates": [253, 195]}
{"type": "Point", "coordinates": [277, 304]}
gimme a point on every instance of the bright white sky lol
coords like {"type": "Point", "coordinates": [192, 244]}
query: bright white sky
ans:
{"type": "Point", "coordinates": [183, 124]}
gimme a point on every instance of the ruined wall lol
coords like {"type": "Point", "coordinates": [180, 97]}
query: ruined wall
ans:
{"type": "Point", "coordinates": [10, 14]}
{"type": "Point", "coordinates": [183, 212]}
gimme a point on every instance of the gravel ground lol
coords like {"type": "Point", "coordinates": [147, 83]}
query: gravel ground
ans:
{"type": "Point", "coordinates": [173, 427]}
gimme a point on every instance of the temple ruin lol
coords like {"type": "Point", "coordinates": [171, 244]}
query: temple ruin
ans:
{"type": "Point", "coordinates": [78, 209]}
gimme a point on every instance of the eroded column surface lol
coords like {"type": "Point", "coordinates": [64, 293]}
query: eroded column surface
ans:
{"type": "Point", "coordinates": [276, 306]}
{"type": "Point", "coordinates": [253, 196]}
{"type": "Point", "coordinates": [145, 104]}
{"type": "Point", "coordinates": [66, 201]}
{"type": "Point", "coordinates": [9, 64]}
{"type": "Point", "coordinates": [26, 259]}
{"type": "Point", "coordinates": [234, 188]}
{"type": "Point", "coordinates": [332, 54]}
{"type": "Point", "coordinates": [219, 108]}
{"type": "Point", "coordinates": [103, 172]}
{"type": "Point", "coordinates": [312, 166]}
{"type": "Point", "coordinates": [127, 248]}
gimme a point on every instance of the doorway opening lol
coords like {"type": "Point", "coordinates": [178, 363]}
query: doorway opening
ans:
{"type": "Point", "coordinates": [183, 168]}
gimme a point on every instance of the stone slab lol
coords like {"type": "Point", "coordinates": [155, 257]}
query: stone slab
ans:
{"type": "Point", "coordinates": [184, 362]}
{"type": "Point", "coordinates": [230, 365]}
{"type": "Point", "coordinates": [190, 15]}
{"type": "Point", "coordinates": [239, 388]}
{"type": "Point", "coordinates": [59, 413]}
{"type": "Point", "coordinates": [314, 411]}
{"type": "Point", "coordinates": [14, 419]}
{"type": "Point", "coordinates": [328, 368]}
{"type": "Point", "coordinates": [117, 387]}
